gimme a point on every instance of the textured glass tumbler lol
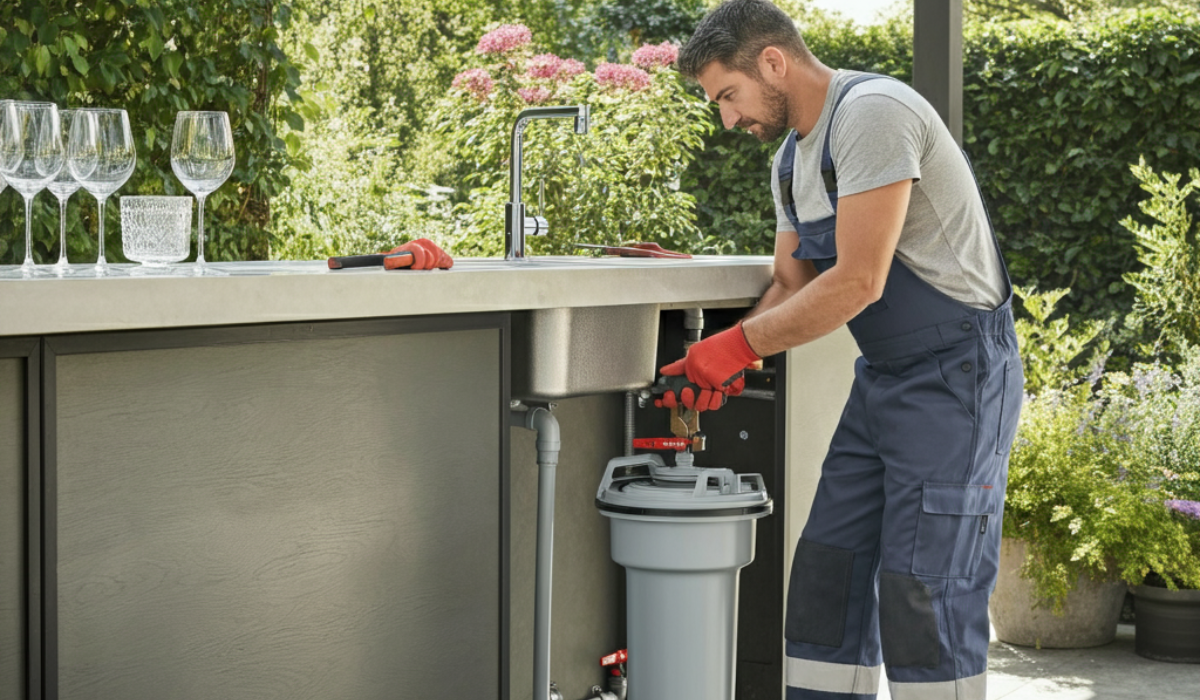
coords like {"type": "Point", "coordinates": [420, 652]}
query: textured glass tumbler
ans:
{"type": "Point", "coordinates": [156, 231]}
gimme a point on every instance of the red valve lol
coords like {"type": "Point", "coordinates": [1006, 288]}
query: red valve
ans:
{"type": "Point", "coordinates": [673, 443]}
{"type": "Point", "coordinates": [617, 657]}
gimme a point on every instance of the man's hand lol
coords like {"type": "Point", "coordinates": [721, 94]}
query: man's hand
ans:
{"type": "Point", "coordinates": [426, 254]}
{"type": "Point", "coordinates": [715, 365]}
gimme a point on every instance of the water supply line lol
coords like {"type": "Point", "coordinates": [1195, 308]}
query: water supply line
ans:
{"type": "Point", "coordinates": [539, 419]}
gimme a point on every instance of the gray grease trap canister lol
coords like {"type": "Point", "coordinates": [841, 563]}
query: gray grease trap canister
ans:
{"type": "Point", "coordinates": [683, 534]}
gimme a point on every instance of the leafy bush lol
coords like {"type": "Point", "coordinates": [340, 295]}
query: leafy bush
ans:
{"type": "Point", "coordinates": [618, 182]}
{"type": "Point", "coordinates": [1091, 475]}
{"type": "Point", "coordinates": [155, 58]}
{"type": "Point", "coordinates": [1053, 114]}
{"type": "Point", "coordinates": [1168, 286]}
{"type": "Point", "coordinates": [1052, 350]}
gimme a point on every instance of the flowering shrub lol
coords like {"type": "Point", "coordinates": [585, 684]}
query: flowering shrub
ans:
{"type": "Point", "coordinates": [1106, 481]}
{"type": "Point", "coordinates": [504, 39]}
{"type": "Point", "coordinates": [618, 182]}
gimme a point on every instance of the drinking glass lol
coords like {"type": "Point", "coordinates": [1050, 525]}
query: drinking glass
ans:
{"type": "Point", "coordinates": [202, 157]}
{"type": "Point", "coordinates": [63, 186]}
{"type": "Point", "coordinates": [3, 182]}
{"type": "Point", "coordinates": [101, 156]}
{"type": "Point", "coordinates": [31, 154]}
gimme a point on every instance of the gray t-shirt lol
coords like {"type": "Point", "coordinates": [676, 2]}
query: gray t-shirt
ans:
{"type": "Point", "coordinates": [885, 132]}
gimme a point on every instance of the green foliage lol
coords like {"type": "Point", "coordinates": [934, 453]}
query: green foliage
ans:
{"type": "Point", "coordinates": [618, 182]}
{"type": "Point", "coordinates": [154, 58]}
{"type": "Point", "coordinates": [1057, 9]}
{"type": "Point", "coordinates": [1168, 284]}
{"type": "Point", "coordinates": [615, 27]}
{"type": "Point", "coordinates": [1053, 113]}
{"type": "Point", "coordinates": [1051, 349]}
{"type": "Point", "coordinates": [375, 69]}
{"type": "Point", "coordinates": [1089, 476]}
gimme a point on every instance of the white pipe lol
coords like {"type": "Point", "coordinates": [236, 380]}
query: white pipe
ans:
{"type": "Point", "coordinates": [543, 422]}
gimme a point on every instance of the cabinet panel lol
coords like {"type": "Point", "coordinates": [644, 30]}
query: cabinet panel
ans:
{"type": "Point", "coordinates": [314, 519]}
{"type": "Point", "coordinates": [12, 527]}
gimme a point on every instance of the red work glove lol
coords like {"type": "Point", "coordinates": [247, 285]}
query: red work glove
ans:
{"type": "Point", "coordinates": [426, 254]}
{"type": "Point", "coordinates": [716, 365]}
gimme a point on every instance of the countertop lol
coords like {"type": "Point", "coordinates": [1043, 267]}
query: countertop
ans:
{"type": "Point", "coordinates": [270, 292]}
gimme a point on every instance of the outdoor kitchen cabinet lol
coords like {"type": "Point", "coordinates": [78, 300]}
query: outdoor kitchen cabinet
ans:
{"type": "Point", "coordinates": [284, 486]}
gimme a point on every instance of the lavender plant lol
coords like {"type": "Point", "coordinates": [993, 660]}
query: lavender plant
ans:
{"type": "Point", "coordinates": [1107, 482]}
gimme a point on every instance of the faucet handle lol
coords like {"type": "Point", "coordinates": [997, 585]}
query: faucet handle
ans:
{"type": "Point", "coordinates": [536, 226]}
{"type": "Point", "coordinates": [583, 119]}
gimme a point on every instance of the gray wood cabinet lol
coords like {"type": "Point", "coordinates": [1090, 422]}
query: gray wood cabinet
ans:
{"type": "Point", "coordinates": [294, 511]}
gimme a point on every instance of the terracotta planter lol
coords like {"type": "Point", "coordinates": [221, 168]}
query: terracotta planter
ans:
{"type": "Point", "coordinates": [1090, 614]}
{"type": "Point", "coordinates": [1168, 624]}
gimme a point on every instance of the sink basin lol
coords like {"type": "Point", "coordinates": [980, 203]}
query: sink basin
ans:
{"type": "Point", "coordinates": [564, 352]}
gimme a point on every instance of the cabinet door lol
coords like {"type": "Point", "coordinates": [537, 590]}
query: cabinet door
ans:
{"type": "Point", "coordinates": [12, 525]}
{"type": "Point", "coordinates": [308, 519]}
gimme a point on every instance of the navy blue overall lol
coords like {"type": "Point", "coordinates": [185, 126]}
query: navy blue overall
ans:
{"type": "Point", "coordinates": [899, 555]}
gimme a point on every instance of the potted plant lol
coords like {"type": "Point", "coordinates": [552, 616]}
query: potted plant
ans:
{"type": "Point", "coordinates": [1167, 408]}
{"type": "Point", "coordinates": [1057, 585]}
{"type": "Point", "coordinates": [1163, 411]}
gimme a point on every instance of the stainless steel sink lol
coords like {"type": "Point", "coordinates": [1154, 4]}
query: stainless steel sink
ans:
{"type": "Point", "coordinates": [558, 353]}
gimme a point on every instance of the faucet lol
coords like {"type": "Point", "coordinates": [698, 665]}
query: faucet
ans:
{"type": "Point", "coordinates": [516, 224]}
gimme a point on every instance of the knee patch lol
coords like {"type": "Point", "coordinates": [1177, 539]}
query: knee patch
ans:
{"type": "Point", "coordinates": [818, 593]}
{"type": "Point", "coordinates": [908, 628]}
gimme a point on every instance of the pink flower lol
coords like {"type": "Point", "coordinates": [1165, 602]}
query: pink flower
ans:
{"type": "Point", "coordinates": [504, 38]}
{"type": "Point", "coordinates": [569, 68]}
{"type": "Point", "coordinates": [549, 66]}
{"type": "Point", "coordinates": [649, 56]}
{"type": "Point", "coordinates": [534, 95]}
{"type": "Point", "coordinates": [545, 65]}
{"type": "Point", "coordinates": [476, 81]}
{"type": "Point", "coordinates": [622, 76]}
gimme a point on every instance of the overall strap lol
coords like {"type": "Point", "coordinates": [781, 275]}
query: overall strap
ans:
{"type": "Point", "coordinates": [828, 171]}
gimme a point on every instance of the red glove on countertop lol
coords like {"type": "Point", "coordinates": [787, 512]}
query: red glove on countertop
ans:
{"type": "Point", "coordinates": [426, 255]}
{"type": "Point", "coordinates": [715, 364]}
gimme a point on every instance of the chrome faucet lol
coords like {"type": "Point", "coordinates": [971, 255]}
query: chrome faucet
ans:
{"type": "Point", "coordinates": [516, 224]}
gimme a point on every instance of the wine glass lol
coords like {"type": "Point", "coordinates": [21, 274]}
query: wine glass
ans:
{"type": "Point", "coordinates": [101, 156]}
{"type": "Point", "coordinates": [63, 186]}
{"type": "Point", "coordinates": [31, 154]}
{"type": "Point", "coordinates": [202, 157]}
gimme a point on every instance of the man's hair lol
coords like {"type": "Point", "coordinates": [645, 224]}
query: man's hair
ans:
{"type": "Point", "coordinates": [735, 33]}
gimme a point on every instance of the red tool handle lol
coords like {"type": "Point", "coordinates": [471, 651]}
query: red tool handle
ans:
{"type": "Point", "coordinates": [395, 261]}
{"type": "Point", "coordinates": [617, 657]}
{"type": "Point", "coordinates": [672, 443]}
{"type": "Point", "coordinates": [389, 261]}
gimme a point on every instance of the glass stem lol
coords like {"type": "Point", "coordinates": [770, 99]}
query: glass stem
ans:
{"type": "Point", "coordinates": [28, 265]}
{"type": "Point", "coordinates": [62, 230]}
{"type": "Point", "coordinates": [200, 229]}
{"type": "Point", "coordinates": [100, 261]}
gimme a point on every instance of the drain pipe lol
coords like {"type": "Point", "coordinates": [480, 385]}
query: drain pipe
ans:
{"type": "Point", "coordinates": [693, 322]}
{"type": "Point", "coordinates": [540, 420]}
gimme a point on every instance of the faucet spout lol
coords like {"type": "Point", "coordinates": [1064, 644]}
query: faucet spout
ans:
{"type": "Point", "coordinates": [516, 224]}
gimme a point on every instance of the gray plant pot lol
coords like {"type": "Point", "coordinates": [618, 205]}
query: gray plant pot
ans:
{"type": "Point", "coordinates": [1089, 618]}
{"type": "Point", "coordinates": [1168, 624]}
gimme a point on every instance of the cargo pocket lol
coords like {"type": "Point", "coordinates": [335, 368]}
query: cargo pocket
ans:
{"type": "Point", "coordinates": [818, 593]}
{"type": "Point", "coordinates": [951, 526]}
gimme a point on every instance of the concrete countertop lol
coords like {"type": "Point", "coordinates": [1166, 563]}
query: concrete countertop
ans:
{"type": "Point", "coordinates": [271, 292]}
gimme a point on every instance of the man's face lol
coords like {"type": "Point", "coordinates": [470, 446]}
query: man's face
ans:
{"type": "Point", "coordinates": [746, 102]}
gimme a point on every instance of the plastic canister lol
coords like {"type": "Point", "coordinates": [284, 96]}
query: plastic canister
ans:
{"type": "Point", "coordinates": [683, 534]}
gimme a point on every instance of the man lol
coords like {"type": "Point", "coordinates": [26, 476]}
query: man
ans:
{"type": "Point", "coordinates": [881, 227]}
